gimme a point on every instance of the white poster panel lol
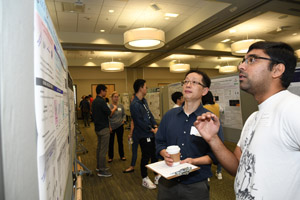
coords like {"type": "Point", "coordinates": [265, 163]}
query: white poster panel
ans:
{"type": "Point", "coordinates": [51, 107]}
{"type": "Point", "coordinates": [227, 94]}
{"type": "Point", "coordinates": [174, 87]}
{"type": "Point", "coordinates": [153, 102]}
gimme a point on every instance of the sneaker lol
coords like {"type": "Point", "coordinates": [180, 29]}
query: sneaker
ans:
{"type": "Point", "coordinates": [156, 179]}
{"type": "Point", "coordinates": [148, 183]}
{"type": "Point", "coordinates": [106, 168]}
{"type": "Point", "coordinates": [219, 175]}
{"type": "Point", "coordinates": [104, 174]}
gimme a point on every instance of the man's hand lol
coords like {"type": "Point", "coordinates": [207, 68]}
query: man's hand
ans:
{"type": "Point", "coordinates": [154, 130]}
{"type": "Point", "coordinates": [187, 160]}
{"type": "Point", "coordinates": [208, 126]}
{"type": "Point", "coordinates": [169, 161]}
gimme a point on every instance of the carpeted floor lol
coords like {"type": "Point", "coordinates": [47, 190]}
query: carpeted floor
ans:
{"type": "Point", "coordinates": [128, 186]}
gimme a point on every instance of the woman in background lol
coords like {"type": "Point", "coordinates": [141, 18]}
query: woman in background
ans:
{"type": "Point", "coordinates": [116, 121]}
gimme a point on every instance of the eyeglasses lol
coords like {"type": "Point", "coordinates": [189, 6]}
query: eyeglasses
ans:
{"type": "Point", "coordinates": [193, 83]}
{"type": "Point", "coordinates": [252, 59]}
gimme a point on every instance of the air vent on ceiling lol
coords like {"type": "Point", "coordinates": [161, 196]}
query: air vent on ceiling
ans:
{"type": "Point", "coordinates": [73, 7]}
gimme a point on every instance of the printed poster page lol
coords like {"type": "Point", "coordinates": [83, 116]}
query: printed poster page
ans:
{"type": "Point", "coordinates": [153, 103]}
{"type": "Point", "coordinates": [51, 107]}
{"type": "Point", "coordinates": [227, 94]}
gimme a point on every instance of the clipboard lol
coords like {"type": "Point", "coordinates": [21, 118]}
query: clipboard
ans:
{"type": "Point", "coordinates": [172, 172]}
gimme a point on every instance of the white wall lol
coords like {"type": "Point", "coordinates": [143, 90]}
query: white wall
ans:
{"type": "Point", "coordinates": [18, 132]}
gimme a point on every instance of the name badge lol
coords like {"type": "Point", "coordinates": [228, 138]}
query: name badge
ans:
{"type": "Point", "coordinates": [148, 139]}
{"type": "Point", "coordinates": [119, 109]}
{"type": "Point", "coordinates": [195, 132]}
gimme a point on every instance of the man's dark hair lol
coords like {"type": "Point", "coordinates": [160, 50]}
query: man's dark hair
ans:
{"type": "Point", "coordinates": [175, 96]}
{"type": "Point", "coordinates": [205, 79]}
{"type": "Point", "coordinates": [100, 87]}
{"type": "Point", "coordinates": [279, 52]}
{"type": "Point", "coordinates": [87, 97]}
{"type": "Point", "coordinates": [208, 98]}
{"type": "Point", "coordinates": [138, 83]}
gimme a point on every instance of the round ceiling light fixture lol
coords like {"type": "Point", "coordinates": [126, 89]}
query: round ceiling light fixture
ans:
{"type": "Point", "coordinates": [144, 39]}
{"type": "Point", "coordinates": [228, 69]}
{"type": "Point", "coordinates": [112, 66]}
{"type": "Point", "coordinates": [180, 68]}
{"type": "Point", "coordinates": [241, 47]}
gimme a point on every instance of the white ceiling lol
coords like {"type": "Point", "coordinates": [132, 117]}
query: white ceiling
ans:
{"type": "Point", "coordinates": [196, 32]}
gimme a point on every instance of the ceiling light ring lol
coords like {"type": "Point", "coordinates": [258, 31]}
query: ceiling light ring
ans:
{"type": "Point", "coordinates": [141, 38]}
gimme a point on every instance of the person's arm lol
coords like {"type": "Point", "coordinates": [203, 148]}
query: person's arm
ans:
{"type": "Point", "coordinates": [113, 110]}
{"type": "Point", "coordinates": [131, 129]}
{"type": "Point", "coordinates": [203, 160]}
{"type": "Point", "coordinates": [137, 114]}
{"type": "Point", "coordinates": [208, 125]}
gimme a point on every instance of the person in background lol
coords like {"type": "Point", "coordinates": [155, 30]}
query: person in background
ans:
{"type": "Point", "coordinates": [101, 112]}
{"type": "Point", "coordinates": [135, 144]}
{"type": "Point", "coordinates": [80, 105]}
{"type": "Point", "coordinates": [86, 109]}
{"type": "Point", "coordinates": [177, 98]}
{"type": "Point", "coordinates": [116, 122]}
{"type": "Point", "coordinates": [266, 160]}
{"type": "Point", "coordinates": [144, 129]}
{"type": "Point", "coordinates": [176, 128]}
{"type": "Point", "coordinates": [209, 103]}
{"type": "Point", "coordinates": [91, 102]}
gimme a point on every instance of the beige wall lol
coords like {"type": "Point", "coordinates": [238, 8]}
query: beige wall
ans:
{"type": "Point", "coordinates": [84, 77]}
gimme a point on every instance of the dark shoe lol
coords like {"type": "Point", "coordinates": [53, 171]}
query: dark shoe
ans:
{"type": "Point", "coordinates": [106, 168]}
{"type": "Point", "coordinates": [110, 160]}
{"type": "Point", "coordinates": [104, 174]}
{"type": "Point", "coordinates": [123, 158]}
{"type": "Point", "coordinates": [128, 171]}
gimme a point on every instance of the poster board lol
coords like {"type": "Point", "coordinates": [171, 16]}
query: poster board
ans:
{"type": "Point", "coordinates": [295, 84]}
{"type": "Point", "coordinates": [226, 91]}
{"type": "Point", "coordinates": [51, 107]}
{"type": "Point", "coordinates": [153, 98]}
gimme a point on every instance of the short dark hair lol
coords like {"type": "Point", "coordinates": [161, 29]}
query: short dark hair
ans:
{"type": "Point", "coordinates": [175, 96]}
{"type": "Point", "coordinates": [279, 52]}
{"type": "Point", "coordinates": [100, 87]}
{"type": "Point", "coordinates": [138, 83]}
{"type": "Point", "coordinates": [205, 79]}
{"type": "Point", "coordinates": [208, 98]}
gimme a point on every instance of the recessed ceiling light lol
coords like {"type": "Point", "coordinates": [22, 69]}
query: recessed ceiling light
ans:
{"type": "Point", "coordinates": [167, 18]}
{"type": "Point", "coordinates": [171, 15]}
{"type": "Point", "coordinates": [232, 31]}
{"type": "Point", "coordinates": [226, 40]}
{"type": "Point", "coordinates": [102, 31]}
{"type": "Point", "coordinates": [295, 34]}
{"type": "Point", "coordinates": [90, 58]}
{"type": "Point", "coordinates": [111, 11]}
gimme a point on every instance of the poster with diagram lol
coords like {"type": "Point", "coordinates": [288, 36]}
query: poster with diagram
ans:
{"type": "Point", "coordinates": [51, 107]}
{"type": "Point", "coordinates": [153, 103]}
{"type": "Point", "coordinates": [227, 94]}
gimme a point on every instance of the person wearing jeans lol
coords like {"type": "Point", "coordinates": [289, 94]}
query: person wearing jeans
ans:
{"type": "Point", "coordinates": [144, 129]}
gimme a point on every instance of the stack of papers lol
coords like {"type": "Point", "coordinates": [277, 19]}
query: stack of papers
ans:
{"type": "Point", "coordinates": [170, 172]}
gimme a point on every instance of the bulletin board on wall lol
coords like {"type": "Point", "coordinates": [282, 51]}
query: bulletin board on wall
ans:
{"type": "Point", "coordinates": [110, 89]}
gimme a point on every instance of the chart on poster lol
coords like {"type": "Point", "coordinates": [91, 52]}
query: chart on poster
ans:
{"type": "Point", "coordinates": [226, 91]}
{"type": "Point", "coordinates": [51, 107]}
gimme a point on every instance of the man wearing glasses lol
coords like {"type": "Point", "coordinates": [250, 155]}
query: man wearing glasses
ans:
{"type": "Point", "coordinates": [176, 128]}
{"type": "Point", "coordinates": [266, 161]}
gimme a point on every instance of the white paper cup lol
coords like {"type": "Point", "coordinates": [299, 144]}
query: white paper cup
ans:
{"type": "Point", "coordinates": [174, 152]}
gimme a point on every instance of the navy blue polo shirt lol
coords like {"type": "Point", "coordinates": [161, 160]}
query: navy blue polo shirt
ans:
{"type": "Point", "coordinates": [174, 129]}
